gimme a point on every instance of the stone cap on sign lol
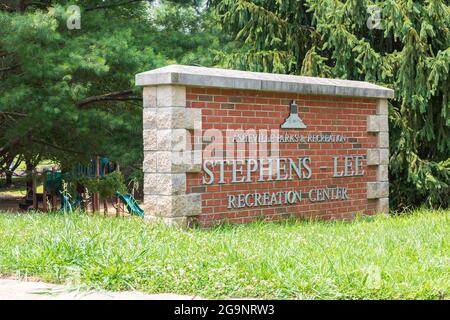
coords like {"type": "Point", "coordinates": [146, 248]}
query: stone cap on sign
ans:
{"type": "Point", "coordinates": [235, 79]}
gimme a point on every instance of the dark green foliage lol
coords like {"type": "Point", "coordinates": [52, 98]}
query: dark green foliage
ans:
{"type": "Point", "coordinates": [410, 53]}
{"type": "Point", "coordinates": [188, 32]}
{"type": "Point", "coordinates": [106, 186]}
{"type": "Point", "coordinates": [68, 95]}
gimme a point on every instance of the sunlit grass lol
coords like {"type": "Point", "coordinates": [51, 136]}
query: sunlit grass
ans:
{"type": "Point", "coordinates": [380, 257]}
{"type": "Point", "coordinates": [20, 191]}
{"type": "Point", "coordinates": [19, 188]}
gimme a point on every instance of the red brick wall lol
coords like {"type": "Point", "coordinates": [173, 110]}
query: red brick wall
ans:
{"type": "Point", "coordinates": [245, 109]}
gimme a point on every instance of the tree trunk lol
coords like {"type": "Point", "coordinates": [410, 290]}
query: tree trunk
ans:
{"type": "Point", "coordinates": [12, 168]}
{"type": "Point", "coordinates": [20, 6]}
{"type": "Point", "coordinates": [29, 169]}
{"type": "Point", "coordinates": [8, 179]}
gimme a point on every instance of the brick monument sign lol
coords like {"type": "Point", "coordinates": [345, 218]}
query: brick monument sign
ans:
{"type": "Point", "coordinates": [234, 146]}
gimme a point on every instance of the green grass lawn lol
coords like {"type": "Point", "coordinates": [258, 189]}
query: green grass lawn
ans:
{"type": "Point", "coordinates": [383, 257]}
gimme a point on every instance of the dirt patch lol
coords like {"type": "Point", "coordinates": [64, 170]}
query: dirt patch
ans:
{"type": "Point", "coordinates": [9, 203]}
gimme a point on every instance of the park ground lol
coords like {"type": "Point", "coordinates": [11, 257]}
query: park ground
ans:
{"type": "Point", "coordinates": [11, 196]}
{"type": "Point", "coordinates": [380, 257]}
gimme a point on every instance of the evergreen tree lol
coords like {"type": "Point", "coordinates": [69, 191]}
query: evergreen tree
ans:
{"type": "Point", "coordinates": [401, 44]}
{"type": "Point", "coordinates": [67, 88]}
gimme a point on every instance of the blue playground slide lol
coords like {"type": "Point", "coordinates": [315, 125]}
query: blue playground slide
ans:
{"type": "Point", "coordinates": [67, 205]}
{"type": "Point", "coordinates": [132, 205]}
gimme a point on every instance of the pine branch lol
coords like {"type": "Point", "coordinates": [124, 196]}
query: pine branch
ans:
{"type": "Point", "coordinates": [107, 6]}
{"type": "Point", "coordinates": [10, 68]}
{"type": "Point", "coordinates": [13, 113]}
{"type": "Point", "coordinates": [40, 4]}
{"type": "Point", "coordinates": [113, 96]}
{"type": "Point", "coordinates": [45, 143]}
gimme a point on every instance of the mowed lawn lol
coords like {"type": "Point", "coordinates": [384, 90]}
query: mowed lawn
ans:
{"type": "Point", "coordinates": [385, 257]}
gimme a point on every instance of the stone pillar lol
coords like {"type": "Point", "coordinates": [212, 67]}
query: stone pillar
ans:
{"type": "Point", "coordinates": [168, 155]}
{"type": "Point", "coordinates": [379, 157]}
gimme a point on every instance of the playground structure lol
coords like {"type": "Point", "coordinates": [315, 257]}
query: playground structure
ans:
{"type": "Point", "coordinates": [54, 189]}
